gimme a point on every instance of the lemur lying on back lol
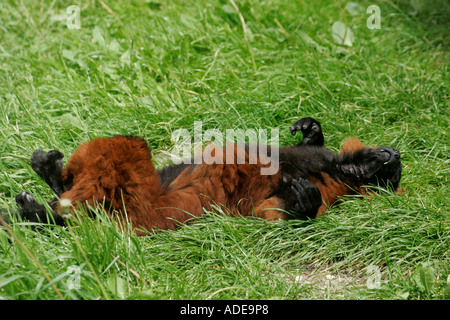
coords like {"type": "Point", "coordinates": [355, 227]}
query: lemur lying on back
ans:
{"type": "Point", "coordinates": [119, 173]}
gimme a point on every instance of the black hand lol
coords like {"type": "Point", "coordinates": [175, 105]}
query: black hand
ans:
{"type": "Point", "coordinates": [32, 211]}
{"type": "Point", "coordinates": [308, 197]}
{"type": "Point", "coordinates": [311, 130]}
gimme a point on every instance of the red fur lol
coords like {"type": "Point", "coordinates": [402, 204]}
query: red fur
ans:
{"type": "Point", "coordinates": [119, 171]}
{"type": "Point", "coordinates": [351, 145]}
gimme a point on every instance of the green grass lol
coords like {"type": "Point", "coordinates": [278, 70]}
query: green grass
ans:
{"type": "Point", "coordinates": [151, 67]}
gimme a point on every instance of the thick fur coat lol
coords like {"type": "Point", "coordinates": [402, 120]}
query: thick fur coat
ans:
{"type": "Point", "coordinates": [119, 173]}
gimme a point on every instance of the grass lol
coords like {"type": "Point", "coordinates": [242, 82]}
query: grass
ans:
{"type": "Point", "coordinates": [150, 67]}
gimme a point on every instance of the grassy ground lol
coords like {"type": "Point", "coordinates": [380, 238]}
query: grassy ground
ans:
{"type": "Point", "coordinates": [150, 67]}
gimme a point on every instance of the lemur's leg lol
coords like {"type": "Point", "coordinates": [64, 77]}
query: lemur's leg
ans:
{"type": "Point", "coordinates": [49, 167]}
{"type": "Point", "coordinates": [32, 211]}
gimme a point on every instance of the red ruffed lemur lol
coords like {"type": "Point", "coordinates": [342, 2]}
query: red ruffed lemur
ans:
{"type": "Point", "coordinates": [118, 172]}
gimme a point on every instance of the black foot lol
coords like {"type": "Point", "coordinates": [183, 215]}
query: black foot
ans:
{"type": "Point", "coordinates": [311, 130]}
{"type": "Point", "coordinates": [25, 200]}
{"type": "Point", "coordinates": [49, 167]}
{"type": "Point", "coordinates": [32, 211]}
{"type": "Point", "coordinates": [28, 209]}
{"type": "Point", "coordinates": [308, 198]}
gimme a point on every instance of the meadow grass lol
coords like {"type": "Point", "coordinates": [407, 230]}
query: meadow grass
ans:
{"type": "Point", "coordinates": [148, 68]}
